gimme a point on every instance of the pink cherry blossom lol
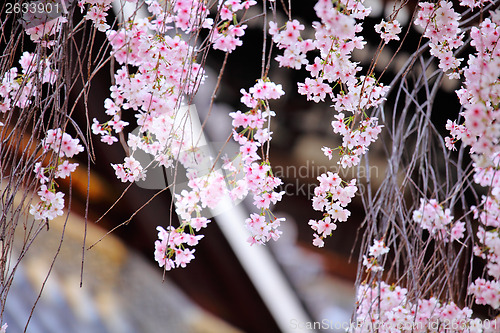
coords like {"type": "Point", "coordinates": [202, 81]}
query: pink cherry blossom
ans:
{"type": "Point", "coordinates": [388, 30]}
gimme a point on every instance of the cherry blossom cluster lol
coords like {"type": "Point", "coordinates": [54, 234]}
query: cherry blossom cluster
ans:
{"type": "Point", "coordinates": [362, 94]}
{"type": "Point", "coordinates": [130, 170]}
{"type": "Point", "coordinates": [480, 94]}
{"type": "Point", "coordinates": [50, 206]}
{"type": "Point", "coordinates": [438, 221]}
{"type": "Point", "coordinates": [375, 252]}
{"type": "Point", "coordinates": [96, 12]}
{"type": "Point", "coordinates": [289, 39]}
{"type": "Point", "coordinates": [154, 88]}
{"type": "Point", "coordinates": [334, 40]}
{"type": "Point", "coordinates": [206, 189]}
{"type": "Point", "coordinates": [61, 143]}
{"type": "Point", "coordinates": [386, 308]}
{"type": "Point", "coordinates": [480, 132]}
{"type": "Point", "coordinates": [489, 249]}
{"type": "Point", "coordinates": [388, 30]}
{"type": "Point", "coordinates": [355, 142]}
{"type": "Point", "coordinates": [51, 202]}
{"type": "Point", "coordinates": [472, 3]}
{"type": "Point", "coordinates": [188, 14]}
{"type": "Point", "coordinates": [207, 186]}
{"type": "Point", "coordinates": [486, 292]}
{"type": "Point", "coordinates": [258, 177]}
{"type": "Point", "coordinates": [441, 26]}
{"type": "Point", "coordinates": [457, 132]}
{"type": "Point", "coordinates": [488, 234]}
{"type": "Point", "coordinates": [487, 173]}
{"type": "Point", "coordinates": [170, 248]}
{"type": "Point", "coordinates": [480, 97]}
{"type": "Point", "coordinates": [226, 35]}
{"type": "Point", "coordinates": [19, 89]}
{"type": "Point", "coordinates": [41, 30]}
{"type": "Point", "coordinates": [331, 197]}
